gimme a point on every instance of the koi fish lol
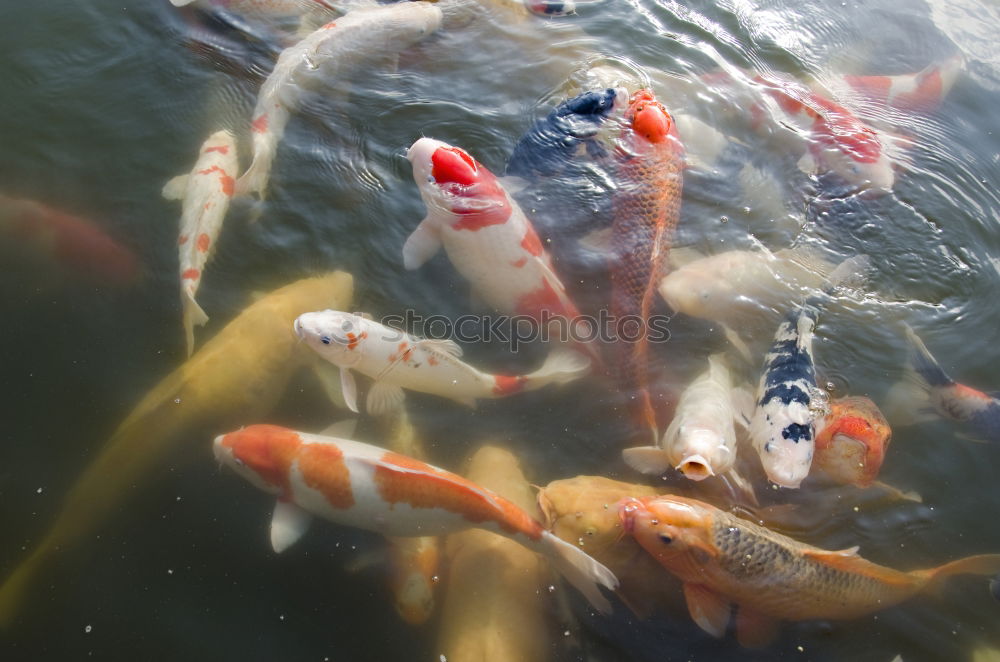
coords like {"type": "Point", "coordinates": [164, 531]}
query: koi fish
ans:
{"type": "Point", "coordinates": [789, 402]}
{"type": "Point", "coordinates": [724, 561]}
{"type": "Point", "coordinates": [922, 91]}
{"type": "Point", "coordinates": [396, 360]}
{"type": "Point", "coordinates": [701, 439]}
{"type": "Point", "coordinates": [339, 48]}
{"type": "Point", "coordinates": [495, 606]}
{"type": "Point", "coordinates": [553, 141]}
{"type": "Point", "coordinates": [851, 441]}
{"type": "Point", "coordinates": [240, 373]}
{"type": "Point", "coordinates": [486, 235]}
{"type": "Point", "coordinates": [551, 8]}
{"type": "Point", "coordinates": [927, 389]}
{"type": "Point", "coordinates": [646, 209]}
{"type": "Point", "coordinates": [206, 193]}
{"type": "Point", "coordinates": [367, 487]}
{"type": "Point", "coordinates": [40, 235]}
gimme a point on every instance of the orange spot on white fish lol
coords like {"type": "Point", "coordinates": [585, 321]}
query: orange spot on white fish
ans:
{"type": "Point", "coordinates": [221, 149]}
{"type": "Point", "coordinates": [259, 125]}
{"type": "Point", "coordinates": [331, 24]}
{"type": "Point", "coordinates": [323, 469]}
{"type": "Point", "coordinates": [401, 479]}
{"type": "Point", "coordinates": [517, 264]}
{"type": "Point", "coordinates": [203, 242]}
{"type": "Point", "coordinates": [508, 385]}
{"type": "Point", "coordinates": [190, 274]}
{"type": "Point", "coordinates": [267, 449]}
{"type": "Point", "coordinates": [182, 240]}
{"type": "Point", "coordinates": [432, 360]}
{"type": "Point", "coordinates": [531, 242]}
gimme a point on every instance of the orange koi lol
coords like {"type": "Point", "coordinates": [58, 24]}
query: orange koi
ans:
{"type": "Point", "coordinates": [852, 441]}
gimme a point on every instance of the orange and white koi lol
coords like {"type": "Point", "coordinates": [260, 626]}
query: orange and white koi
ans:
{"type": "Point", "coordinates": [261, 8]}
{"type": "Point", "coordinates": [701, 439]}
{"type": "Point", "coordinates": [367, 487]}
{"type": "Point", "coordinates": [59, 242]}
{"type": "Point", "coordinates": [724, 561]}
{"type": "Point", "coordinates": [339, 48]}
{"type": "Point", "coordinates": [396, 360]}
{"type": "Point", "coordinates": [922, 91]}
{"type": "Point", "coordinates": [646, 209]}
{"type": "Point", "coordinates": [485, 233]}
{"type": "Point", "coordinates": [205, 193]}
{"type": "Point", "coordinates": [851, 441]}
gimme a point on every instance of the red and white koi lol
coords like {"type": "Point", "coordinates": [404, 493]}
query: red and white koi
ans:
{"type": "Point", "coordinates": [262, 8]}
{"type": "Point", "coordinates": [356, 484]}
{"type": "Point", "coordinates": [348, 44]}
{"type": "Point", "coordinates": [701, 439]}
{"type": "Point", "coordinates": [485, 233]}
{"type": "Point", "coordinates": [396, 360]}
{"type": "Point", "coordinates": [205, 192]}
{"type": "Point", "coordinates": [922, 91]}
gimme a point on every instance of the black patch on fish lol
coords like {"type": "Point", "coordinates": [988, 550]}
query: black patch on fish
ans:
{"type": "Point", "coordinates": [787, 393]}
{"type": "Point", "coordinates": [796, 432]}
{"type": "Point", "coordinates": [553, 141]}
{"type": "Point", "coordinates": [554, 8]}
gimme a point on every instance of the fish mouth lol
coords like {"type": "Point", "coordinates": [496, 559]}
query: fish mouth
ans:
{"type": "Point", "coordinates": [299, 331]}
{"type": "Point", "coordinates": [627, 509]}
{"type": "Point", "coordinates": [695, 467]}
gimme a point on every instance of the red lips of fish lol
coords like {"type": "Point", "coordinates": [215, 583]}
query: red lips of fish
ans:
{"type": "Point", "coordinates": [459, 175]}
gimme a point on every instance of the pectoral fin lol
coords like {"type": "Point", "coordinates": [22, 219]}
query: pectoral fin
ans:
{"type": "Point", "coordinates": [175, 188]}
{"type": "Point", "coordinates": [288, 523]}
{"type": "Point", "coordinates": [651, 460]}
{"type": "Point", "coordinates": [384, 398]}
{"type": "Point", "coordinates": [753, 629]}
{"type": "Point", "coordinates": [349, 389]}
{"type": "Point", "coordinates": [710, 611]}
{"type": "Point", "coordinates": [344, 429]}
{"type": "Point", "coordinates": [421, 245]}
{"type": "Point", "coordinates": [441, 345]}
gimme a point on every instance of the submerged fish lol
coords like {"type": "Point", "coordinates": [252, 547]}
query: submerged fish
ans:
{"type": "Point", "coordinates": [237, 375]}
{"type": "Point", "coordinates": [646, 209]}
{"type": "Point", "coordinates": [552, 142]}
{"type": "Point", "coordinates": [851, 441]}
{"type": "Point", "coordinates": [724, 561]}
{"type": "Point", "coordinates": [364, 486]}
{"type": "Point", "coordinates": [64, 244]}
{"type": "Point", "coordinates": [205, 193]}
{"type": "Point", "coordinates": [789, 402]}
{"type": "Point", "coordinates": [495, 607]}
{"type": "Point", "coordinates": [701, 439]}
{"type": "Point", "coordinates": [927, 388]}
{"type": "Point", "coordinates": [922, 91]}
{"type": "Point", "coordinates": [486, 235]}
{"type": "Point", "coordinates": [274, 8]}
{"type": "Point", "coordinates": [396, 360]}
{"type": "Point", "coordinates": [325, 57]}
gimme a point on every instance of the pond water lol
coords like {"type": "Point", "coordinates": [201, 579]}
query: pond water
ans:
{"type": "Point", "coordinates": [104, 102]}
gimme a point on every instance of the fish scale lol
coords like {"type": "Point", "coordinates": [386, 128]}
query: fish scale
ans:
{"type": "Point", "coordinates": [646, 210]}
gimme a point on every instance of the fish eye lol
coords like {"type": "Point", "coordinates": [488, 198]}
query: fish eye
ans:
{"type": "Point", "coordinates": [665, 539]}
{"type": "Point", "coordinates": [325, 340]}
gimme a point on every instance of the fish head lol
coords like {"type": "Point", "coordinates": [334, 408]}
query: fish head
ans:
{"type": "Point", "coordinates": [691, 291]}
{"type": "Point", "coordinates": [787, 463]}
{"type": "Point", "coordinates": [262, 454]}
{"type": "Point", "coordinates": [851, 445]}
{"type": "Point", "coordinates": [453, 182]}
{"type": "Point", "coordinates": [417, 20]}
{"type": "Point", "coordinates": [336, 336]}
{"type": "Point", "coordinates": [413, 570]}
{"type": "Point", "coordinates": [221, 142]}
{"type": "Point", "coordinates": [652, 126]}
{"type": "Point", "coordinates": [670, 528]}
{"type": "Point", "coordinates": [699, 448]}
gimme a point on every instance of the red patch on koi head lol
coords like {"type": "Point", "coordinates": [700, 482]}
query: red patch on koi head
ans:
{"type": "Point", "coordinates": [451, 165]}
{"type": "Point", "coordinates": [267, 450]}
{"type": "Point", "coordinates": [649, 118]}
{"type": "Point", "coordinates": [323, 469]}
{"type": "Point", "coordinates": [401, 479]}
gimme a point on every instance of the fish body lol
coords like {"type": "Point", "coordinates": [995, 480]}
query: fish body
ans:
{"type": "Point", "coordinates": [851, 441]}
{"type": "Point", "coordinates": [495, 605]}
{"type": "Point", "coordinates": [239, 374]}
{"type": "Point", "coordinates": [264, 8]}
{"type": "Point", "coordinates": [724, 561]}
{"type": "Point", "coordinates": [360, 485]}
{"type": "Point", "coordinates": [395, 360]}
{"type": "Point", "coordinates": [205, 192]}
{"type": "Point", "coordinates": [551, 143]}
{"type": "Point", "coordinates": [486, 235]}
{"type": "Point", "coordinates": [978, 412]}
{"type": "Point", "coordinates": [922, 91]}
{"type": "Point", "coordinates": [788, 401]}
{"type": "Point", "coordinates": [701, 439]}
{"type": "Point", "coordinates": [646, 209]}
{"type": "Point", "coordinates": [334, 51]}
{"type": "Point", "coordinates": [42, 236]}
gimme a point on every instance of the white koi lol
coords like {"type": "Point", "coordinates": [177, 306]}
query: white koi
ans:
{"type": "Point", "coordinates": [206, 192]}
{"type": "Point", "coordinates": [395, 360]}
{"type": "Point", "coordinates": [268, 8]}
{"type": "Point", "coordinates": [339, 48]}
{"type": "Point", "coordinates": [364, 486]}
{"type": "Point", "coordinates": [701, 439]}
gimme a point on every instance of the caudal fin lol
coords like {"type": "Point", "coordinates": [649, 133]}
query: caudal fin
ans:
{"type": "Point", "coordinates": [579, 569]}
{"type": "Point", "coordinates": [561, 366]}
{"type": "Point", "coordinates": [908, 401]}
{"type": "Point", "coordinates": [985, 565]}
{"type": "Point", "coordinates": [192, 316]}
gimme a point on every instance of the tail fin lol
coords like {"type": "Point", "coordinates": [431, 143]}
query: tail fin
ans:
{"type": "Point", "coordinates": [268, 130]}
{"type": "Point", "coordinates": [908, 401]}
{"type": "Point", "coordinates": [924, 362]}
{"type": "Point", "coordinates": [561, 366]}
{"type": "Point", "coordinates": [579, 569]}
{"type": "Point", "coordinates": [192, 316]}
{"type": "Point", "coordinates": [985, 565]}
